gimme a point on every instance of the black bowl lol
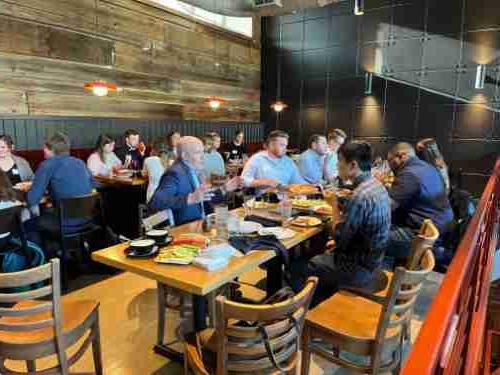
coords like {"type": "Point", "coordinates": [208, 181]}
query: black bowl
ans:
{"type": "Point", "coordinates": [159, 235]}
{"type": "Point", "coordinates": [143, 246]}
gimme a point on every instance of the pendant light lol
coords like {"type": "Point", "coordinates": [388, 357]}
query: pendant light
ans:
{"type": "Point", "coordinates": [100, 88]}
{"type": "Point", "coordinates": [359, 7]}
{"type": "Point", "coordinates": [279, 106]}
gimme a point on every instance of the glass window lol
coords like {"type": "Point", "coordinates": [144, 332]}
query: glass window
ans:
{"type": "Point", "coordinates": [240, 25]}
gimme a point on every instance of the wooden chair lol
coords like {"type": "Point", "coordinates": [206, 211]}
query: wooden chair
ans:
{"type": "Point", "coordinates": [33, 329]}
{"type": "Point", "coordinates": [235, 348]}
{"type": "Point", "coordinates": [366, 324]}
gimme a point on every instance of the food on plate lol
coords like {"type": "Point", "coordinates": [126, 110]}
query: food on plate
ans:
{"type": "Point", "coordinates": [343, 193]}
{"type": "Point", "coordinates": [307, 203]}
{"type": "Point", "coordinates": [324, 210]}
{"type": "Point", "coordinates": [180, 254]}
{"type": "Point", "coordinates": [302, 189]}
{"type": "Point", "coordinates": [306, 221]}
{"type": "Point", "coordinates": [194, 239]}
{"type": "Point", "coordinates": [279, 232]}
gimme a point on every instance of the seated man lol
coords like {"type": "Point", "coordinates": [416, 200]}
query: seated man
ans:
{"type": "Point", "coordinates": [361, 236]}
{"type": "Point", "coordinates": [312, 161]}
{"type": "Point", "coordinates": [132, 153]}
{"type": "Point", "coordinates": [271, 167]}
{"type": "Point", "coordinates": [64, 177]}
{"type": "Point", "coordinates": [418, 193]}
{"type": "Point", "coordinates": [336, 139]}
{"type": "Point", "coordinates": [181, 188]}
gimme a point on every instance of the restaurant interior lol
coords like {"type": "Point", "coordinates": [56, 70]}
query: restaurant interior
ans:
{"type": "Point", "coordinates": [249, 186]}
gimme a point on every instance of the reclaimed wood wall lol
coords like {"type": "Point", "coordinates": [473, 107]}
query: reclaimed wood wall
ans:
{"type": "Point", "coordinates": [164, 64]}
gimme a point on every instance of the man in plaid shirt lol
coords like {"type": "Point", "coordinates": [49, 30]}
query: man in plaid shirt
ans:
{"type": "Point", "coordinates": [362, 235]}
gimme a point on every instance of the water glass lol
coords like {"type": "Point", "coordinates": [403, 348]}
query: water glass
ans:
{"type": "Point", "coordinates": [233, 224]}
{"type": "Point", "coordinates": [221, 219]}
{"type": "Point", "coordinates": [248, 204]}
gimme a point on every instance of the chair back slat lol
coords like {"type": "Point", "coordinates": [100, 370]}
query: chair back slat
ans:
{"type": "Point", "coordinates": [84, 206]}
{"type": "Point", "coordinates": [27, 277]}
{"type": "Point", "coordinates": [25, 296]}
{"type": "Point", "coordinates": [401, 297]}
{"type": "Point", "coordinates": [26, 327]}
{"type": "Point", "coordinates": [243, 349]}
{"type": "Point", "coordinates": [424, 240]}
{"type": "Point", "coordinates": [26, 311]}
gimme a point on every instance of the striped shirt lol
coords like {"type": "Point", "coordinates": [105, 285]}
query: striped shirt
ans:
{"type": "Point", "coordinates": [361, 238]}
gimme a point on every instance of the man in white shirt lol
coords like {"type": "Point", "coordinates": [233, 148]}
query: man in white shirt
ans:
{"type": "Point", "coordinates": [336, 139]}
{"type": "Point", "coordinates": [271, 167]}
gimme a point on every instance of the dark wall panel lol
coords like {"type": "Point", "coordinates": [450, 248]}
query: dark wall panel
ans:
{"type": "Point", "coordinates": [30, 133]}
{"type": "Point", "coordinates": [424, 54]}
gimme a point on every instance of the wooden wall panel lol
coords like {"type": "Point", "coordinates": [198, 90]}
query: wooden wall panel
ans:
{"type": "Point", "coordinates": [165, 64]}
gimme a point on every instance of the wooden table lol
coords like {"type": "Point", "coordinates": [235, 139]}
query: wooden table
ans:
{"type": "Point", "coordinates": [190, 279]}
{"type": "Point", "coordinates": [132, 181]}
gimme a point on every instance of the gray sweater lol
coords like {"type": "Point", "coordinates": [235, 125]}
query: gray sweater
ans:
{"type": "Point", "coordinates": [25, 171]}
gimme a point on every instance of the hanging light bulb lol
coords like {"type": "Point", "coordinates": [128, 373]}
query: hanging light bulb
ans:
{"type": "Point", "coordinates": [279, 106]}
{"type": "Point", "coordinates": [214, 102]}
{"type": "Point", "coordinates": [359, 7]}
{"type": "Point", "coordinates": [480, 77]}
{"type": "Point", "coordinates": [100, 88]}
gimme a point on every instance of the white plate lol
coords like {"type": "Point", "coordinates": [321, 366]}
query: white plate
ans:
{"type": "Point", "coordinates": [157, 232]}
{"type": "Point", "coordinates": [314, 221]}
{"type": "Point", "coordinates": [249, 227]}
{"type": "Point", "coordinates": [280, 232]}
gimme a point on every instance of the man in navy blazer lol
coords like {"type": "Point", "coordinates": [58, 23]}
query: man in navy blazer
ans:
{"type": "Point", "coordinates": [181, 188]}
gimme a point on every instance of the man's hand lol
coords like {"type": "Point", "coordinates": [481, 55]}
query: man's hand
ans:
{"type": "Point", "coordinates": [234, 184]}
{"type": "Point", "coordinates": [265, 182]}
{"type": "Point", "coordinates": [198, 195]}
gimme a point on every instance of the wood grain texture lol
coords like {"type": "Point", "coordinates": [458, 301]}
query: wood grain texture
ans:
{"type": "Point", "coordinates": [164, 64]}
{"type": "Point", "coordinates": [199, 282]}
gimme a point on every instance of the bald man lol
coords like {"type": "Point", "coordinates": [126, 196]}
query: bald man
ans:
{"type": "Point", "coordinates": [418, 193]}
{"type": "Point", "coordinates": [182, 188]}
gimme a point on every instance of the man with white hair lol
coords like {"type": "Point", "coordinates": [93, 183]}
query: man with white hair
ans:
{"type": "Point", "coordinates": [182, 188]}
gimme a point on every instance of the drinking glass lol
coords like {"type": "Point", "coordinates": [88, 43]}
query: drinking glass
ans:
{"type": "Point", "coordinates": [233, 224]}
{"type": "Point", "coordinates": [221, 220]}
{"type": "Point", "coordinates": [248, 204]}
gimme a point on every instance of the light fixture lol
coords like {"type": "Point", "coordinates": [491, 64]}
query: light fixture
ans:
{"type": "Point", "coordinates": [368, 83]}
{"type": "Point", "coordinates": [359, 7]}
{"type": "Point", "coordinates": [480, 77]}
{"type": "Point", "coordinates": [214, 102]}
{"type": "Point", "coordinates": [100, 88]}
{"type": "Point", "coordinates": [279, 106]}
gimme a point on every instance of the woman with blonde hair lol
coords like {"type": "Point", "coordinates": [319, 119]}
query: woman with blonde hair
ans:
{"type": "Point", "coordinates": [155, 165]}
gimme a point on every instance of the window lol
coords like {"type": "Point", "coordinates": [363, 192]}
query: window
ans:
{"type": "Point", "coordinates": [240, 25]}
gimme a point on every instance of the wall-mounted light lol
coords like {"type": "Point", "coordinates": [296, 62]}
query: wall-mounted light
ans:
{"type": "Point", "coordinates": [359, 7]}
{"type": "Point", "coordinates": [368, 83]}
{"type": "Point", "coordinates": [100, 88]}
{"type": "Point", "coordinates": [214, 102]}
{"type": "Point", "coordinates": [480, 77]}
{"type": "Point", "coordinates": [279, 106]}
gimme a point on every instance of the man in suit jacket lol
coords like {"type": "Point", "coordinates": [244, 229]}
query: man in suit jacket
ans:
{"type": "Point", "coordinates": [182, 188]}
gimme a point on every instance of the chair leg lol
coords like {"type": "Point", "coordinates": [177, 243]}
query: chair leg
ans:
{"type": "Point", "coordinates": [96, 346]}
{"type": "Point", "coordinates": [31, 366]}
{"type": "Point", "coordinates": [306, 353]}
{"type": "Point", "coordinates": [161, 313]}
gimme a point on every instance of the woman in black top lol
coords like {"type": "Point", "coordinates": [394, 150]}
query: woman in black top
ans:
{"type": "Point", "coordinates": [237, 150]}
{"type": "Point", "coordinates": [16, 168]}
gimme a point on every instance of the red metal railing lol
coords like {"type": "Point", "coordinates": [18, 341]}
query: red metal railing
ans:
{"type": "Point", "coordinates": [452, 338]}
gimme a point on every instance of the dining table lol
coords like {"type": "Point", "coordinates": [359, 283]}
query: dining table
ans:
{"type": "Point", "coordinates": [122, 181]}
{"type": "Point", "coordinates": [189, 280]}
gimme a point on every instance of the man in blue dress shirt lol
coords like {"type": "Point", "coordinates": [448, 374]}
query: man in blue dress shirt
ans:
{"type": "Point", "coordinates": [64, 177]}
{"type": "Point", "coordinates": [312, 161]}
{"type": "Point", "coordinates": [272, 167]}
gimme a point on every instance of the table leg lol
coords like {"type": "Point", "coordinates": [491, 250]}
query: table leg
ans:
{"type": "Point", "coordinates": [161, 347]}
{"type": "Point", "coordinates": [200, 313]}
{"type": "Point", "coordinates": [211, 308]}
{"type": "Point", "coordinates": [274, 281]}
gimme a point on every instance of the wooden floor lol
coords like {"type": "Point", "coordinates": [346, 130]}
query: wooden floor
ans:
{"type": "Point", "coordinates": [128, 327]}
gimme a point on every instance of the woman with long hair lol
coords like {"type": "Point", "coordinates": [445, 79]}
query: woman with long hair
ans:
{"type": "Point", "coordinates": [103, 160]}
{"type": "Point", "coordinates": [155, 165]}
